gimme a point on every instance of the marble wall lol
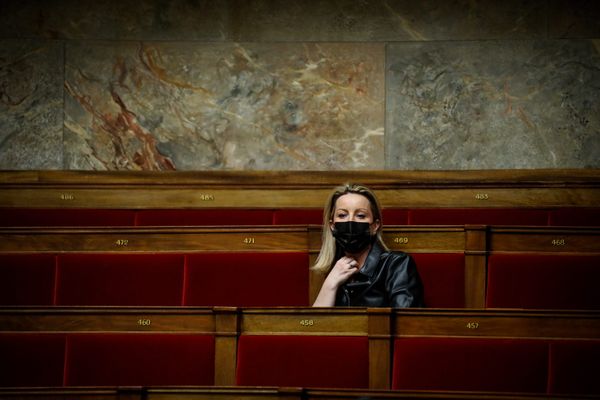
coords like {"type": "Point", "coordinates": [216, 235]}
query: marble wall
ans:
{"type": "Point", "coordinates": [299, 84]}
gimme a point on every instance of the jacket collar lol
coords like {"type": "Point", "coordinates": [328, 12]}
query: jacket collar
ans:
{"type": "Point", "coordinates": [372, 261]}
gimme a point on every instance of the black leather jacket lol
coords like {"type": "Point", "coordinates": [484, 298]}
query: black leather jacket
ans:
{"type": "Point", "coordinates": [387, 279]}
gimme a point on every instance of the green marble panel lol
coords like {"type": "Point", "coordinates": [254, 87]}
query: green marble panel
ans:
{"type": "Point", "coordinates": [31, 104]}
{"type": "Point", "coordinates": [493, 104]}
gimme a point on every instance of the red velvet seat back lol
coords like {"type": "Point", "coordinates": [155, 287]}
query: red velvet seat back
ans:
{"type": "Point", "coordinates": [129, 359]}
{"type": "Point", "coordinates": [120, 279]}
{"type": "Point", "coordinates": [481, 216]}
{"type": "Point", "coordinates": [585, 216]}
{"type": "Point", "coordinates": [547, 281]}
{"type": "Point", "coordinates": [443, 277]}
{"type": "Point", "coordinates": [293, 216]}
{"type": "Point", "coordinates": [314, 216]}
{"type": "Point", "coordinates": [65, 217]}
{"type": "Point", "coordinates": [303, 361]}
{"type": "Point", "coordinates": [27, 279]}
{"type": "Point", "coordinates": [500, 365]}
{"type": "Point", "coordinates": [31, 359]}
{"type": "Point", "coordinates": [247, 279]}
{"type": "Point", "coordinates": [394, 216]}
{"type": "Point", "coordinates": [574, 367]}
{"type": "Point", "coordinates": [203, 217]}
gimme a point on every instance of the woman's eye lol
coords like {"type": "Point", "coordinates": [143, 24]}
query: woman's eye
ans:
{"type": "Point", "coordinates": [341, 215]}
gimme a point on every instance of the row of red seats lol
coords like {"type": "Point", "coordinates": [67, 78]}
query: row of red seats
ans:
{"type": "Point", "coordinates": [265, 279]}
{"type": "Point", "coordinates": [418, 363]}
{"type": "Point", "coordinates": [153, 279]}
{"type": "Point", "coordinates": [567, 216]}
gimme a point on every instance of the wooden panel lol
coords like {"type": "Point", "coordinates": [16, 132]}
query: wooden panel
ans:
{"type": "Point", "coordinates": [224, 393]}
{"type": "Point", "coordinates": [580, 240]}
{"type": "Point", "coordinates": [226, 326]}
{"type": "Point", "coordinates": [201, 197]}
{"type": "Point", "coordinates": [314, 239]}
{"type": "Point", "coordinates": [418, 239]}
{"type": "Point", "coordinates": [489, 197]}
{"type": "Point", "coordinates": [498, 324]}
{"type": "Point", "coordinates": [272, 189]}
{"type": "Point", "coordinates": [157, 239]}
{"type": "Point", "coordinates": [256, 393]}
{"type": "Point", "coordinates": [304, 321]}
{"type": "Point", "coordinates": [67, 394]}
{"type": "Point", "coordinates": [152, 393]}
{"type": "Point", "coordinates": [315, 280]}
{"type": "Point", "coordinates": [120, 319]}
{"type": "Point", "coordinates": [376, 178]}
{"type": "Point", "coordinates": [475, 266]}
{"type": "Point", "coordinates": [380, 360]}
{"type": "Point", "coordinates": [425, 239]}
{"type": "Point", "coordinates": [373, 323]}
{"type": "Point", "coordinates": [310, 321]}
{"type": "Point", "coordinates": [475, 280]}
{"type": "Point", "coordinates": [161, 197]}
{"type": "Point", "coordinates": [354, 394]}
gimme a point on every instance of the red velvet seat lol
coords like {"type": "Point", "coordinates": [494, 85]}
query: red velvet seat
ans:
{"type": "Point", "coordinates": [31, 359]}
{"type": "Point", "coordinates": [293, 216]}
{"type": "Point", "coordinates": [27, 279]}
{"type": "Point", "coordinates": [314, 216]}
{"type": "Point", "coordinates": [394, 216]}
{"type": "Point", "coordinates": [481, 216]}
{"type": "Point", "coordinates": [443, 277]}
{"type": "Point", "coordinates": [120, 279]}
{"type": "Point", "coordinates": [203, 217]}
{"type": "Point", "coordinates": [585, 216]}
{"type": "Point", "coordinates": [473, 364]}
{"type": "Point", "coordinates": [247, 279]}
{"type": "Point", "coordinates": [131, 359]}
{"type": "Point", "coordinates": [303, 361]}
{"type": "Point", "coordinates": [574, 367]}
{"type": "Point", "coordinates": [65, 217]}
{"type": "Point", "coordinates": [548, 281]}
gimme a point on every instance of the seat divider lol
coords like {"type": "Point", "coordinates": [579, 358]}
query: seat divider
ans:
{"type": "Point", "coordinates": [227, 329]}
{"type": "Point", "coordinates": [475, 265]}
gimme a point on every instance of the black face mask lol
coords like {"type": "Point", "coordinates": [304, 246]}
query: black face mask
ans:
{"type": "Point", "coordinates": [352, 237]}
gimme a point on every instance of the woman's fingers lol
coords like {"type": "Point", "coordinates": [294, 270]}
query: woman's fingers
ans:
{"type": "Point", "coordinates": [351, 262]}
{"type": "Point", "coordinates": [347, 267]}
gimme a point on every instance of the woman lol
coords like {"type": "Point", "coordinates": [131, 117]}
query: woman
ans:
{"type": "Point", "coordinates": [361, 271]}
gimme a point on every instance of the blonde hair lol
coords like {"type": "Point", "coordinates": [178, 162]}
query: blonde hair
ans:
{"type": "Point", "coordinates": [327, 254]}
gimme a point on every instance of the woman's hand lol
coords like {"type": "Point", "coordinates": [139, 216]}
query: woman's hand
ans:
{"type": "Point", "coordinates": [343, 269]}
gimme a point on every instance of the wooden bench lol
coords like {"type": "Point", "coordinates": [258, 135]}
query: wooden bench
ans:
{"type": "Point", "coordinates": [102, 346]}
{"type": "Point", "coordinates": [461, 266]}
{"type": "Point", "coordinates": [551, 268]}
{"type": "Point", "coordinates": [197, 266]}
{"type": "Point", "coordinates": [373, 347]}
{"type": "Point", "coordinates": [258, 393]}
{"type": "Point", "coordinates": [155, 267]}
{"type": "Point", "coordinates": [75, 198]}
{"type": "Point", "coordinates": [515, 351]}
{"type": "Point", "coordinates": [111, 347]}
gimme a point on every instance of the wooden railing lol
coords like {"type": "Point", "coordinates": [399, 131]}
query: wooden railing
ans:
{"type": "Point", "coordinates": [297, 189]}
{"type": "Point", "coordinates": [232, 328]}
